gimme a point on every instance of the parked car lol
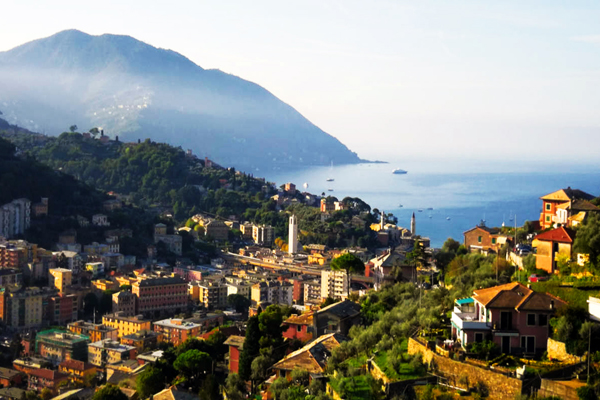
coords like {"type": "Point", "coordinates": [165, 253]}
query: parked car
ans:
{"type": "Point", "coordinates": [537, 278]}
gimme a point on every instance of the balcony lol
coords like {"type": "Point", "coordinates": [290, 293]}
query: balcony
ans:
{"type": "Point", "coordinates": [467, 321]}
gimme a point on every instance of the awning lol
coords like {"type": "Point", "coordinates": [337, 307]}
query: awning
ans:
{"type": "Point", "coordinates": [467, 300]}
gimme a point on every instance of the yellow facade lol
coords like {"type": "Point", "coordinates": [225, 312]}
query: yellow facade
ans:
{"type": "Point", "coordinates": [126, 326]}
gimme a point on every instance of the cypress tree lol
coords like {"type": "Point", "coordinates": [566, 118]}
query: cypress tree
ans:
{"type": "Point", "coordinates": [251, 348]}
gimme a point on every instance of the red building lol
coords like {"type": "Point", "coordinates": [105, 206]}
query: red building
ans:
{"type": "Point", "coordinates": [44, 378]}
{"type": "Point", "coordinates": [236, 345]}
{"type": "Point", "coordinates": [158, 296]}
{"type": "Point", "coordinates": [10, 377]}
{"type": "Point", "coordinates": [299, 327]}
{"type": "Point", "coordinates": [62, 309]}
{"type": "Point", "coordinates": [558, 207]}
{"type": "Point", "coordinates": [512, 315]}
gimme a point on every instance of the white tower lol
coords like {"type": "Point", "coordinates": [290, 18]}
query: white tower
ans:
{"type": "Point", "coordinates": [293, 235]}
{"type": "Point", "coordinates": [413, 225]}
{"type": "Point", "coordinates": [382, 222]}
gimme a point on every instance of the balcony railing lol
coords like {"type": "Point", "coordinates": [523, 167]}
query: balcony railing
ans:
{"type": "Point", "coordinates": [468, 321]}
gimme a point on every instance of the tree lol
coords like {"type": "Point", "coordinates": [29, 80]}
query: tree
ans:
{"type": "Point", "coordinates": [109, 392]}
{"type": "Point", "coordinates": [149, 382]}
{"type": "Point", "coordinates": [239, 302]}
{"type": "Point", "coordinates": [235, 387]}
{"type": "Point", "coordinates": [46, 394]}
{"type": "Point", "coordinates": [251, 348]}
{"type": "Point", "coordinates": [73, 128]}
{"type": "Point", "coordinates": [210, 388]}
{"type": "Point", "coordinates": [350, 263]}
{"type": "Point", "coordinates": [192, 364]}
{"type": "Point", "coordinates": [587, 240]}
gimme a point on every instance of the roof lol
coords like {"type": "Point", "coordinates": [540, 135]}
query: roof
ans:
{"type": "Point", "coordinates": [518, 296]}
{"type": "Point", "coordinates": [172, 280]}
{"type": "Point", "coordinates": [312, 357]}
{"type": "Point", "coordinates": [342, 309]}
{"type": "Point", "coordinates": [177, 323]}
{"type": "Point", "coordinates": [491, 231]}
{"type": "Point", "coordinates": [235, 341]}
{"type": "Point", "coordinates": [12, 393]}
{"type": "Point", "coordinates": [47, 374]}
{"type": "Point", "coordinates": [174, 394]}
{"type": "Point", "coordinates": [567, 195]}
{"type": "Point", "coordinates": [8, 373]}
{"type": "Point", "coordinates": [77, 365]}
{"type": "Point", "coordinates": [583, 205]}
{"type": "Point", "coordinates": [561, 234]}
{"type": "Point", "coordinates": [303, 319]}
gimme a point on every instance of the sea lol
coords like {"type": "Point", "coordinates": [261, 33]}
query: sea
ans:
{"type": "Point", "coordinates": [446, 203]}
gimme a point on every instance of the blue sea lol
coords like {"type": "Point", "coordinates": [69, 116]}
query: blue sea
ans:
{"type": "Point", "coordinates": [465, 198]}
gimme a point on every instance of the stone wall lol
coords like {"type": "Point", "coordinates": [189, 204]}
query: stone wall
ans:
{"type": "Point", "coordinates": [563, 389]}
{"type": "Point", "coordinates": [501, 387]}
{"type": "Point", "coordinates": [558, 351]}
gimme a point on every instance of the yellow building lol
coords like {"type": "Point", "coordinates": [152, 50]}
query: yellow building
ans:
{"type": "Point", "coordinates": [95, 332]}
{"type": "Point", "coordinates": [125, 280]}
{"type": "Point", "coordinates": [126, 325]}
{"type": "Point", "coordinates": [22, 308]}
{"type": "Point", "coordinates": [79, 371]}
{"type": "Point", "coordinates": [105, 284]}
{"type": "Point", "coordinates": [109, 352]}
{"type": "Point", "coordinates": [317, 259]}
{"type": "Point", "coordinates": [60, 278]}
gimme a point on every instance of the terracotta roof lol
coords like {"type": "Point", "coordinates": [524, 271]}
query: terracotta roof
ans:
{"type": "Point", "coordinates": [312, 357]}
{"type": "Point", "coordinates": [342, 309]}
{"type": "Point", "coordinates": [567, 195]}
{"type": "Point", "coordinates": [304, 319]}
{"type": "Point", "coordinates": [516, 295]}
{"type": "Point", "coordinates": [173, 394]}
{"type": "Point", "coordinates": [491, 231]}
{"type": "Point", "coordinates": [235, 341]}
{"type": "Point", "coordinates": [562, 235]}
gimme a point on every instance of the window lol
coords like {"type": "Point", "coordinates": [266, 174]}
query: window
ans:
{"type": "Point", "coordinates": [479, 239]}
{"type": "Point", "coordinates": [478, 337]}
{"type": "Point", "coordinates": [493, 240]}
{"type": "Point", "coordinates": [530, 319]}
{"type": "Point", "coordinates": [543, 320]}
{"type": "Point", "coordinates": [548, 206]}
{"type": "Point", "coordinates": [547, 218]}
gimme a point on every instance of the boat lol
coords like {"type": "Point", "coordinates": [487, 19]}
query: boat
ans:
{"type": "Point", "coordinates": [400, 205]}
{"type": "Point", "coordinates": [399, 171]}
{"type": "Point", "coordinates": [305, 185]}
{"type": "Point", "coordinates": [420, 210]}
{"type": "Point", "coordinates": [330, 190]}
{"type": "Point", "coordinates": [448, 218]}
{"type": "Point", "coordinates": [330, 179]}
{"type": "Point", "coordinates": [430, 208]}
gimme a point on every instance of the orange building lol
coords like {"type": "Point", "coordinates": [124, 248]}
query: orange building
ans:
{"type": "Point", "coordinates": [552, 244]}
{"type": "Point", "coordinates": [79, 371]}
{"type": "Point", "coordinates": [177, 330]}
{"type": "Point", "coordinates": [564, 204]}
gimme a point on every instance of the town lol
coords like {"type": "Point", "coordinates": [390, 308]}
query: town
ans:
{"type": "Point", "coordinates": [331, 300]}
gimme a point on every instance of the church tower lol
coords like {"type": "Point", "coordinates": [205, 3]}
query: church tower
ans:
{"type": "Point", "coordinates": [293, 235]}
{"type": "Point", "coordinates": [413, 225]}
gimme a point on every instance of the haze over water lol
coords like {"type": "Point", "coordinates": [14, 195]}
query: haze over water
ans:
{"type": "Point", "coordinates": [465, 197]}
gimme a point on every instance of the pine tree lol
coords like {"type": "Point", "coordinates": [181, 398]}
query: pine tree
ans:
{"type": "Point", "coordinates": [251, 348]}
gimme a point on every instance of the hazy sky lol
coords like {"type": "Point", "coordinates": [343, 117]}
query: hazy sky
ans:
{"type": "Point", "coordinates": [390, 79]}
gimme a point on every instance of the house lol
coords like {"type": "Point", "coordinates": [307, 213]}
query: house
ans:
{"type": "Point", "coordinates": [79, 371]}
{"type": "Point", "coordinates": [336, 318]}
{"type": "Point", "coordinates": [173, 394]}
{"type": "Point", "coordinates": [312, 357]}
{"type": "Point", "coordinates": [552, 244]}
{"type": "Point", "coordinates": [299, 327]}
{"type": "Point", "coordinates": [482, 239]}
{"type": "Point", "coordinates": [12, 393]}
{"type": "Point", "coordinates": [10, 377]}
{"type": "Point", "coordinates": [511, 315]}
{"type": "Point", "coordinates": [562, 206]}
{"type": "Point", "coordinates": [236, 345]}
{"type": "Point", "coordinates": [217, 230]}
{"type": "Point", "coordinates": [43, 378]}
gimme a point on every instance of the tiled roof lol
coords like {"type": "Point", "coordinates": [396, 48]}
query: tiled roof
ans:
{"type": "Point", "coordinates": [516, 295]}
{"type": "Point", "coordinates": [173, 394]}
{"type": "Point", "coordinates": [235, 341]}
{"type": "Point", "coordinates": [345, 308]}
{"type": "Point", "coordinates": [313, 356]}
{"type": "Point", "coordinates": [8, 373]}
{"type": "Point", "coordinates": [303, 319]}
{"type": "Point", "coordinates": [567, 194]}
{"type": "Point", "coordinates": [491, 231]}
{"type": "Point", "coordinates": [583, 205]}
{"type": "Point", "coordinates": [562, 235]}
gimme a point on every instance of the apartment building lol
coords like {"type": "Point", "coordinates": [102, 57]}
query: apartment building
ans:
{"type": "Point", "coordinates": [60, 278]}
{"type": "Point", "coordinates": [312, 292]}
{"type": "Point", "coordinates": [177, 331]}
{"type": "Point", "coordinates": [15, 218]}
{"type": "Point", "coordinates": [78, 371]}
{"type": "Point", "coordinates": [125, 324]}
{"type": "Point", "coordinates": [104, 352]}
{"type": "Point", "coordinates": [143, 340]}
{"type": "Point", "coordinates": [217, 230]}
{"type": "Point", "coordinates": [9, 276]}
{"type": "Point", "coordinates": [159, 296]}
{"type": "Point", "coordinates": [212, 295]}
{"type": "Point", "coordinates": [124, 301]}
{"type": "Point", "coordinates": [334, 284]}
{"type": "Point", "coordinates": [40, 379]}
{"type": "Point", "coordinates": [57, 346]}
{"type": "Point", "coordinates": [238, 288]}
{"type": "Point", "coordinates": [21, 308]}
{"type": "Point", "coordinates": [62, 309]}
{"type": "Point", "coordinates": [95, 332]}
{"type": "Point", "coordinates": [11, 256]}
{"type": "Point", "coordinates": [263, 234]}
{"type": "Point", "coordinates": [273, 292]}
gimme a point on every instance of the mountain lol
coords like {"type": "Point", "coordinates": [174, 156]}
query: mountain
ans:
{"type": "Point", "coordinates": [136, 91]}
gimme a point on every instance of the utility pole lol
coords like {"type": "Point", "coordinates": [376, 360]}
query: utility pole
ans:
{"type": "Point", "coordinates": [589, 352]}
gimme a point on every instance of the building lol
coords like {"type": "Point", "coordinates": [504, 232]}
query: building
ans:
{"type": "Point", "coordinates": [334, 284]}
{"type": "Point", "coordinates": [263, 234]}
{"type": "Point", "coordinates": [336, 318]}
{"type": "Point", "coordinates": [172, 393]}
{"type": "Point", "coordinates": [293, 235]}
{"type": "Point", "coordinates": [125, 324]}
{"type": "Point", "coordinates": [236, 345]}
{"type": "Point", "coordinates": [109, 351]}
{"type": "Point", "coordinates": [96, 268]}
{"type": "Point", "coordinates": [558, 207]}
{"type": "Point", "coordinates": [213, 295]}
{"type": "Point", "coordinates": [11, 256]}
{"type": "Point", "coordinates": [60, 278]}
{"type": "Point", "coordinates": [73, 260]}
{"type": "Point", "coordinates": [246, 229]}
{"type": "Point", "coordinates": [40, 379]}
{"type": "Point", "coordinates": [238, 288]}
{"type": "Point", "coordinates": [100, 220]}
{"type": "Point", "coordinates": [511, 315]}
{"type": "Point", "coordinates": [143, 340]}
{"type": "Point", "coordinates": [62, 309]}
{"type": "Point", "coordinates": [156, 296]}
{"type": "Point", "coordinates": [299, 327]}
{"type": "Point", "coordinates": [95, 332]}
{"type": "Point", "coordinates": [173, 242]}
{"type": "Point", "coordinates": [482, 239]}
{"type": "Point", "coordinates": [312, 357]}
{"type": "Point", "coordinates": [290, 188]}
{"type": "Point", "coordinates": [78, 371]}
{"type": "Point", "coordinates": [124, 302]}
{"type": "Point", "coordinates": [551, 246]}
{"type": "Point", "coordinates": [21, 308]}
{"type": "Point", "coordinates": [10, 377]}
{"type": "Point", "coordinates": [57, 346]}
{"type": "Point", "coordinates": [176, 330]}
{"type": "Point", "coordinates": [312, 292]}
{"type": "Point", "coordinates": [15, 218]}
{"type": "Point", "coordinates": [10, 277]}
{"type": "Point", "coordinates": [273, 292]}
{"type": "Point", "coordinates": [217, 230]}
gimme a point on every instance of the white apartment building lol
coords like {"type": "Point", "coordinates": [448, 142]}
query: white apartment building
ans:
{"type": "Point", "coordinates": [334, 284]}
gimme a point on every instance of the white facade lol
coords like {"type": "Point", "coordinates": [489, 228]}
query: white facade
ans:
{"type": "Point", "coordinates": [334, 284]}
{"type": "Point", "coordinates": [293, 235]}
{"type": "Point", "coordinates": [15, 218]}
{"type": "Point", "coordinates": [594, 308]}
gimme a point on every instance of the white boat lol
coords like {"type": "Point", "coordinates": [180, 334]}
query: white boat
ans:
{"type": "Point", "coordinates": [330, 190]}
{"type": "Point", "coordinates": [305, 185]}
{"type": "Point", "coordinates": [399, 171]}
{"type": "Point", "coordinates": [448, 218]}
{"type": "Point", "coordinates": [400, 205]}
{"type": "Point", "coordinates": [330, 179]}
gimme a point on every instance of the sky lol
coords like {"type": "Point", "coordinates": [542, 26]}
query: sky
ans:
{"type": "Point", "coordinates": [393, 80]}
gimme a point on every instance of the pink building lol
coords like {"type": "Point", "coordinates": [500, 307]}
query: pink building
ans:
{"type": "Point", "coordinates": [157, 296]}
{"type": "Point", "coordinates": [512, 315]}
